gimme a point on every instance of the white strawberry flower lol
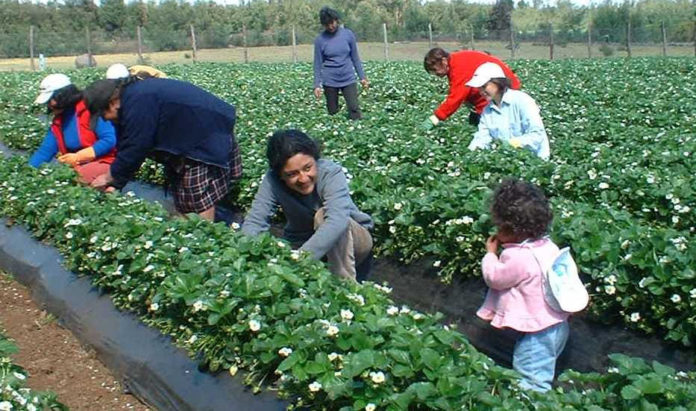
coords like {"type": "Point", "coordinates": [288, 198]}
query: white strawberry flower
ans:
{"type": "Point", "coordinates": [198, 306]}
{"type": "Point", "coordinates": [347, 315]}
{"type": "Point", "coordinates": [285, 351]}
{"type": "Point", "coordinates": [635, 317]}
{"type": "Point", "coordinates": [392, 310]}
{"type": "Point", "coordinates": [377, 377]}
{"type": "Point", "coordinates": [675, 298]}
{"type": "Point", "coordinates": [254, 325]}
{"type": "Point", "coordinates": [315, 386]}
{"type": "Point", "coordinates": [332, 331]}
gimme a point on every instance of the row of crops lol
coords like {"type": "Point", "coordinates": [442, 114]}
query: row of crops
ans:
{"type": "Point", "coordinates": [619, 178]}
{"type": "Point", "coordinates": [253, 304]}
{"type": "Point", "coordinates": [14, 393]}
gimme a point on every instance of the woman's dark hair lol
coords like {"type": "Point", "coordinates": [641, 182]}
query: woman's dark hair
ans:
{"type": "Point", "coordinates": [67, 97]}
{"type": "Point", "coordinates": [433, 57]}
{"type": "Point", "coordinates": [327, 15]}
{"type": "Point", "coordinates": [503, 83]}
{"type": "Point", "coordinates": [284, 144]}
{"type": "Point", "coordinates": [521, 209]}
{"type": "Point", "coordinates": [99, 94]}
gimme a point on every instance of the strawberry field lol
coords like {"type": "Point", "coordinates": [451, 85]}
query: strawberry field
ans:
{"type": "Point", "coordinates": [620, 180]}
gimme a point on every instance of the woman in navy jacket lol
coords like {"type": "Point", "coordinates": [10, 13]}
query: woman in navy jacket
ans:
{"type": "Point", "coordinates": [185, 128]}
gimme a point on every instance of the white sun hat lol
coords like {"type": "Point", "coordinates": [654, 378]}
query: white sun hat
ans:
{"type": "Point", "coordinates": [49, 85]}
{"type": "Point", "coordinates": [484, 73]}
{"type": "Point", "coordinates": [116, 71]}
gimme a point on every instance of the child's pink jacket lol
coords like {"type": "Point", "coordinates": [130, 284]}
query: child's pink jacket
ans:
{"type": "Point", "coordinates": [515, 298]}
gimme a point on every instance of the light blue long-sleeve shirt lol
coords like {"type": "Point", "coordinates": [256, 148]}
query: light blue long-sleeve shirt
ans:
{"type": "Point", "coordinates": [106, 139]}
{"type": "Point", "coordinates": [517, 118]}
{"type": "Point", "coordinates": [331, 191]}
{"type": "Point", "coordinates": [336, 59]}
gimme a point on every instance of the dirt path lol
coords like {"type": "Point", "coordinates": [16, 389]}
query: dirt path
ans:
{"type": "Point", "coordinates": [54, 358]}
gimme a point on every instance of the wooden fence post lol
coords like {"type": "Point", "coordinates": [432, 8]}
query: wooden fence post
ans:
{"type": "Point", "coordinates": [88, 40]}
{"type": "Point", "coordinates": [551, 42]}
{"type": "Point", "coordinates": [244, 40]}
{"type": "Point", "coordinates": [140, 44]}
{"type": "Point", "coordinates": [628, 33]}
{"type": "Point", "coordinates": [294, 45]}
{"type": "Point", "coordinates": [664, 40]}
{"type": "Point", "coordinates": [386, 43]}
{"type": "Point", "coordinates": [193, 43]}
{"type": "Point", "coordinates": [589, 33]}
{"type": "Point", "coordinates": [31, 48]}
{"type": "Point", "coordinates": [430, 35]}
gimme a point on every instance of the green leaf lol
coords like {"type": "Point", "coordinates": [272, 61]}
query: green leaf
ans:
{"type": "Point", "coordinates": [431, 358]}
{"type": "Point", "coordinates": [359, 362]}
{"type": "Point", "coordinates": [402, 371]}
{"type": "Point", "coordinates": [400, 356]}
{"type": "Point", "coordinates": [662, 370]}
{"type": "Point", "coordinates": [290, 362]}
{"type": "Point", "coordinates": [649, 385]}
{"type": "Point", "coordinates": [313, 368]}
{"type": "Point", "coordinates": [630, 392]}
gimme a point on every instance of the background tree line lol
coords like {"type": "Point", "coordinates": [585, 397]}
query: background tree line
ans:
{"type": "Point", "coordinates": [66, 27]}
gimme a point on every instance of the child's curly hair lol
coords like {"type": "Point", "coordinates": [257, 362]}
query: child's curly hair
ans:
{"type": "Point", "coordinates": [521, 209]}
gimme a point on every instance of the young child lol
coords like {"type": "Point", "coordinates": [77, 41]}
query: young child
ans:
{"type": "Point", "coordinates": [515, 298]}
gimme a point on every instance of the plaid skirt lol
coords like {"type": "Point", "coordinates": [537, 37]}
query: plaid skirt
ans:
{"type": "Point", "coordinates": [200, 186]}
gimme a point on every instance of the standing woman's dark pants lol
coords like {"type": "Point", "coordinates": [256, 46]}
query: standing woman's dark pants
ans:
{"type": "Point", "coordinates": [350, 93]}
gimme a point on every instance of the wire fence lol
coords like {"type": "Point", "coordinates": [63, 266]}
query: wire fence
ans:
{"type": "Point", "coordinates": [36, 48]}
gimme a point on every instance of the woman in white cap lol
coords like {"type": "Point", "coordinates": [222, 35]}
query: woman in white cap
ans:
{"type": "Point", "coordinates": [118, 70]}
{"type": "Point", "coordinates": [90, 150]}
{"type": "Point", "coordinates": [511, 116]}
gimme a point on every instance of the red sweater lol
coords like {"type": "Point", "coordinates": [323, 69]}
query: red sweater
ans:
{"type": "Point", "coordinates": [462, 65]}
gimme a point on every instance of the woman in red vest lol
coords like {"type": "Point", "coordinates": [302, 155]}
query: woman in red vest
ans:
{"type": "Point", "coordinates": [90, 150]}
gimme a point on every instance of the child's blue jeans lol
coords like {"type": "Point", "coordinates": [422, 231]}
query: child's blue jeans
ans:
{"type": "Point", "coordinates": [535, 356]}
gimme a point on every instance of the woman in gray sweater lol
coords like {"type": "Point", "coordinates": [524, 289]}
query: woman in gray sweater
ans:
{"type": "Point", "coordinates": [314, 196]}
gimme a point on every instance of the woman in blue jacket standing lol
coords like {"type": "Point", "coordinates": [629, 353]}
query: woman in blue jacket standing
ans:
{"type": "Point", "coordinates": [336, 60]}
{"type": "Point", "coordinates": [185, 128]}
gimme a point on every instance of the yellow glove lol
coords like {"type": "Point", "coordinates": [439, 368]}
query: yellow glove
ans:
{"type": "Point", "coordinates": [515, 142]}
{"type": "Point", "coordinates": [75, 159]}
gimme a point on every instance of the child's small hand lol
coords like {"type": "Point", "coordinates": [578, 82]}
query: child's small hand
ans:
{"type": "Point", "coordinates": [492, 244]}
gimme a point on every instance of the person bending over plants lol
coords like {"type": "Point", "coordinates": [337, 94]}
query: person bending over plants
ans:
{"type": "Point", "coordinates": [314, 196]}
{"type": "Point", "coordinates": [511, 116]}
{"type": "Point", "coordinates": [118, 70]}
{"type": "Point", "coordinates": [459, 67]}
{"type": "Point", "coordinates": [89, 150]}
{"type": "Point", "coordinates": [175, 123]}
{"type": "Point", "coordinates": [515, 298]}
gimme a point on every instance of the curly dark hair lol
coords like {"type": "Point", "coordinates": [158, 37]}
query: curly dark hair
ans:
{"type": "Point", "coordinates": [521, 210]}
